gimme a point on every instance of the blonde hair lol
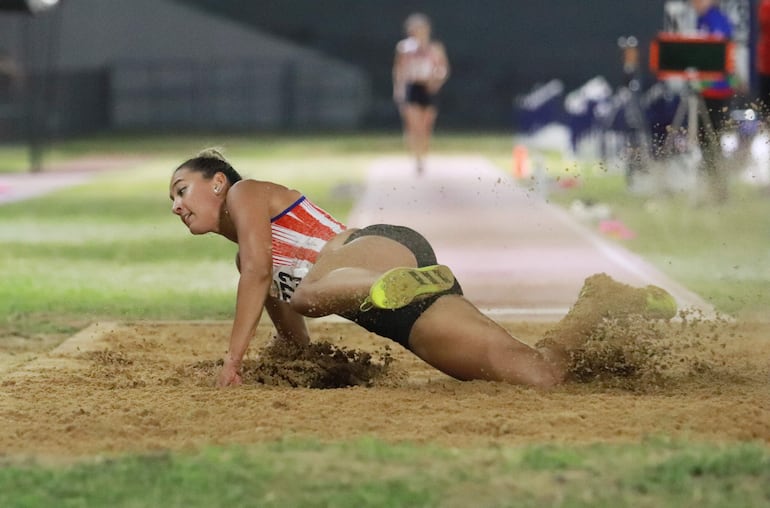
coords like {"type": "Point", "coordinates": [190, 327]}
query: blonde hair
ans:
{"type": "Point", "coordinates": [212, 152]}
{"type": "Point", "coordinates": [416, 19]}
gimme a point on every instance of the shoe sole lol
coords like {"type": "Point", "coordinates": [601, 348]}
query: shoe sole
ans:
{"type": "Point", "coordinates": [398, 287]}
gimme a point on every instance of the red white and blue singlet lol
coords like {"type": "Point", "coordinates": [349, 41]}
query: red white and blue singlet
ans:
{"type": "Point", "coordinates": [298, 235]}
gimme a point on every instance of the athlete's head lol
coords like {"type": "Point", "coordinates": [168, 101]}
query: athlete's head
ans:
{"type": "Point", "coordinates": [209, 162]}
{"type": "Point", "coordinates": [198, 188]}
{"type": "Point", "coordinates": [417, 25]}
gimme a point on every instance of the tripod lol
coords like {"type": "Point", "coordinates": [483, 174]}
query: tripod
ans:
{"type": "Point", "coordinates": [692, 105]}
{"type": "Point", "coordinates": [693, 108]}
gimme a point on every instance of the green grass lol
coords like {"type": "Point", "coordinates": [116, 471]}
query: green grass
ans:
{"type": "Point", "coordinates": [13, 159]}
{"type": "Point", "coordinates": [655, 473]}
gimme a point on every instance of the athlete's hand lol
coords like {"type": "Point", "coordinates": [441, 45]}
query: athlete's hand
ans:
{"type": "Point", "coordinates": [229, 375]}
{"type": "Point", "coordinates": [434, 85]}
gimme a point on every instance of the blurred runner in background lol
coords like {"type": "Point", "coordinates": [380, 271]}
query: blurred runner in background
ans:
{"type": "Point", "coordinates": [420, 69]}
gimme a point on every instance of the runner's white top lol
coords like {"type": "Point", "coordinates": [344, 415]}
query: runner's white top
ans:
{"type": "Point", "coordinates": [421, 63]}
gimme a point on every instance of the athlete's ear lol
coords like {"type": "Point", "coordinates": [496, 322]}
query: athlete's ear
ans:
{"type": "Point", "coordinates": [218, 181]}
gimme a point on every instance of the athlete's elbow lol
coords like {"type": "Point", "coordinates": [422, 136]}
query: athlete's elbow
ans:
{"type": "Point", "coordinates": [255, 273]}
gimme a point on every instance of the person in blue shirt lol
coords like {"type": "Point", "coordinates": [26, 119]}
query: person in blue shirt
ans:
{"type": "Point", "coordinates": [712, 21]}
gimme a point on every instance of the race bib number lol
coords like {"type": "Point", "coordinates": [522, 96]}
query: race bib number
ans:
{"type": "Point", "coordinates": [285, 282]}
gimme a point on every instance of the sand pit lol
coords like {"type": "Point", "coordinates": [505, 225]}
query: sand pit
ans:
{"type": "Point", "coordinates": [145, 387]}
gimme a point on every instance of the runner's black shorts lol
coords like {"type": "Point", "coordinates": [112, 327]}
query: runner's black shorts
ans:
{"type": "Point", "coordinates": [396, 324]}
{"type": "Point", "coordinates": [418, 94]}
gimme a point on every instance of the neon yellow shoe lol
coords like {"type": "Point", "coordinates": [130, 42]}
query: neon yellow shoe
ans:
{"type": "Point", "coordinates": [603, 296]}
{"type": "Point", "coordinates": [660, 303]}
{"type": "Point", "coordinates": [397, 288]}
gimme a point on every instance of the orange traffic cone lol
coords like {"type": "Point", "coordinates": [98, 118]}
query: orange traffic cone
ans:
{"type": "Point", "coordinates": [520, 161]}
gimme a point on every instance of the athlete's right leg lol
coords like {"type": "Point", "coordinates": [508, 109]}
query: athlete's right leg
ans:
{"type": "Point", "coordinates": [603, 297]}
{"type": "Point", "coordinates": [427, 122]}
{"type": "Point", "coordinates": [453, 336]}
{"type": "Point", "coordinates": [413, 115]}
{"type": "Point", "coordinates": [340, 280]}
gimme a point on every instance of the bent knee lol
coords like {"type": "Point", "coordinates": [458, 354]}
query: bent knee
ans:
{"type": "Point", "coordinates": [304, 302]}
{"type": "Point", "coordinates": [300, 302]}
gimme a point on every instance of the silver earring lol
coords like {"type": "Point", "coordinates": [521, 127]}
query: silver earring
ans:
{"type": "Point", "coordinates": [216, 189]}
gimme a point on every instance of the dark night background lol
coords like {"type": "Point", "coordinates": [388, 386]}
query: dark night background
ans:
{"type": "Point", "coordinates": [498, 48]}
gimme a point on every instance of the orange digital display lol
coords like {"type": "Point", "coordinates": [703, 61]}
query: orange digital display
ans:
{"type": "Point", "coordinates": [692, 57]}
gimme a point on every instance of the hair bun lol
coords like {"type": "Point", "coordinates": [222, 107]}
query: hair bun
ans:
{"type": "Point", "coordinates": [212, 153]}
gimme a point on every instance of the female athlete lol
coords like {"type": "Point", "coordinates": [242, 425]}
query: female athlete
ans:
{"type": "Point", "coordinates": [420, 69]}
{"type": "Point", "coordinates": [296, 260]}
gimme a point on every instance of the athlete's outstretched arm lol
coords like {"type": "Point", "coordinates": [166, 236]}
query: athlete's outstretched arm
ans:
{"type": "Point", "coordinates": [247, 206]}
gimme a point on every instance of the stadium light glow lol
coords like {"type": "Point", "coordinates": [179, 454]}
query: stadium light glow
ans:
{"type": "Point", "coordinates": [33, 6]}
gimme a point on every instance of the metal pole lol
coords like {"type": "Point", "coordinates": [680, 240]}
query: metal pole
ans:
{"type": "Point", "coordinates": [30, 99]}
{"type": "Point", "coordinates": [50, 77]}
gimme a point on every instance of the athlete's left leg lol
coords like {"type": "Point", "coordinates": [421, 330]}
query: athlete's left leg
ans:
{"type": "Point", "coordinates": [412, 114]}
{"type": "Point", "coordinates": [341, 279]}
{"type": "Point", "coordinates": [423, 130]}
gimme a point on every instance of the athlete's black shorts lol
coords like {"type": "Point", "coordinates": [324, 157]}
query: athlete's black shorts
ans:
{"type": "Point", "coordinates": [397, 324]}
{"type": "Point", "coordinates": [418, 94]}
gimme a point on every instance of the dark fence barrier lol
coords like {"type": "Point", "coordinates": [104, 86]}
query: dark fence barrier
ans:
{"type": "Point", "coordinates": [186, 96]}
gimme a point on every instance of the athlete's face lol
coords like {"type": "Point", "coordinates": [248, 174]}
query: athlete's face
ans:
{"type": "Point", "coordinates": [420, 31]}
{"type": "Point", "coordinates": [197, 200]}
